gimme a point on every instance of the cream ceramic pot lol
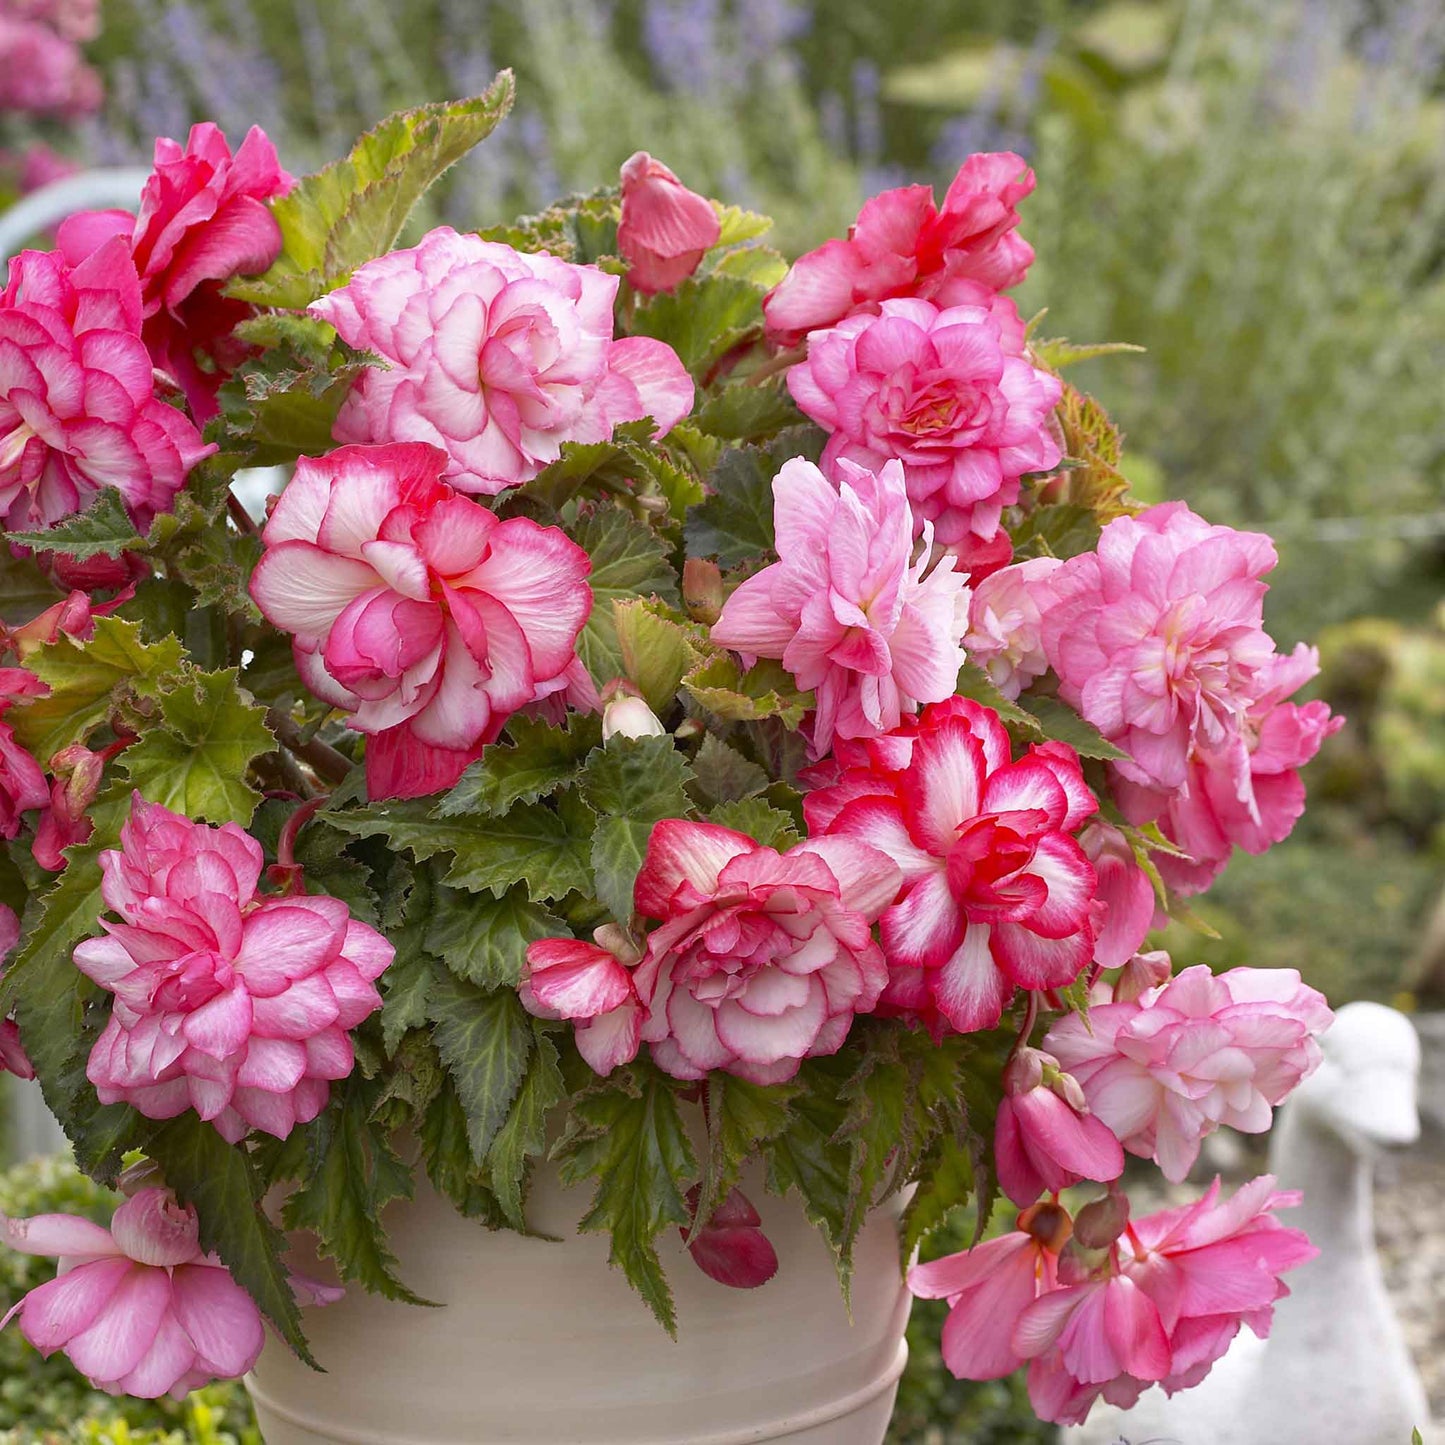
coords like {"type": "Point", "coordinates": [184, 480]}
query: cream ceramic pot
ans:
{"type": "Point", "coordinates": [543, 1343]}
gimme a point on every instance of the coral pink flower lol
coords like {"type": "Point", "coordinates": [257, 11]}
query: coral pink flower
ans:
{"type": "Point", "coordinates": [229, 1003]}
{"type": "Point", "coordinates": [731, 1248]}
{"type": "Point", "coordinates": [847, 609]}
{"type": "Point", "coordinates": [42, 72]}
{"type": "Point", "coordinates": [138, 1308]}
{"type": "Point", "coordinates": [997, 894]}
{"type": "Point", "coordinates": [762, 959]}
{"type": "Point", "coordinates": [947, 392]}
{"type": "Point", "coordinates": [1166, 1068]}
{"type": "Point", "coordinates": [64, 823]}
{"type": "Point", "coordinates": [496, 357]}
{"type": "Point", "coordinates": [1157, 636]}
{"type": "Point", "coordinates": [1124, 888]}
{"type": "Point", "coordinates": [416, 609]}
{"type": "Point", "coordinates": [665, 228]}
{"type": "Point", "coordinates": [203, 219]}
{"type": "Point", "coordinates": [1004, 633]}
{"type": "Point", "coordinates": [1045, 1138]}
{"type": "Point", "coordinates": [567, 978]}
{"type": "Point", "coordinates": [78, 409]}
{"type": "Point", "coordinates": [902, 244]}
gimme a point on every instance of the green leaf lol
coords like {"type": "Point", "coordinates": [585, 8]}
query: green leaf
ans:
{"type": "Point", "coordinates": [406, 985]}
{"type": "Point", "coordinates": [764, 691]}
{"type": "Point", "coordinates": [1061, 723]}
{"type": "Point", "coordinates": [737, 225]}
{"type": "Point", "coordinates": [277, 406]}
{"type": "Point", "coordinates": [484, 940]}
{"type": "Point", "coordinates": [449, 1162]}
{"type": "Point", "coordinates": [721, 774]}
{"type": "Point", "coordinates": [537, 761]}
{"type": "Point", "coordinates": [25, 591]}
{"type": "Point", "coordinates": [524, 1134]}
{"type": "Point", "coordinates": [104, 528]}
{"type": "Point", "coordinates": [735, 524]}
{"type": "Point", "coordinates": [629, 1136]}
{"type": "Point", "coordinates": [1062, 529]}
{"type": "Point", "coordinates": [877, 1101]}
{"type": "Point", "coordinates": [758, 819]}
{"type": "Point", "coordinates": [354, 209]}
{"type": "Point", "coordinates": [486, 1042]}
{"type": "Point", "coordinates": [1057, 354]}
{"type": "Point", "coordinates": [631, 783]}
{"type": "Point", "coordinates": [656, 651]}
{"type": "Point", "coordinates": [740, 1118]}
{"type": "Point", "coordinates": [703, 318]}
{"type": "Point", "coordinates": [808, 1158]}
{"type": "Point", "coordinates": [947, 1180]}
{"type": "Point", "coordinates": [761, 265]}
{"type": "Point", "coordinates": [747, 413]}
{"type": "Point", "coordinates": [974, 682]}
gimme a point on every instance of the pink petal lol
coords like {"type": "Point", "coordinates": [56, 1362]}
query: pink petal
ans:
{"type": "Point", "coordinates": [220, 1317]}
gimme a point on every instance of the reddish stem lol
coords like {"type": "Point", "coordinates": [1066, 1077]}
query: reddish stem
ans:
{"type": "Point", "coordinates": [286, 843]}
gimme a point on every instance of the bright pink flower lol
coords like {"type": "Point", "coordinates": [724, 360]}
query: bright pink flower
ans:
{"type": "Point", "coordinates": [76, 776]}
{"type": "Point", "coordinates": [71, 616]}
{"type": "Point", "coordinates": [22, 783]}
{"type": "Point", "coordinates": [1157, 637]}
{"type": "Point", "coordinates": [902, 244]}
{"type": "Point", "coordinates": [850, 613]}
{"type": "Point", "coordinates": [12, 1054]}
{"type": "Point", "coordinates": [762, 959]}
{"type": "Point", "coordinates": [496, 356]}
{"type": "Point", "coordinates": [665, 228]}
{"type": "Point", "coordinates": [226, 1002]}
{"type": "Point", "coordinates": [997, 894]}
{"type": "Point", "coordinates": [138, 1308]}
{"type": "Point", "coordinates": [567, 978]}
{"type": "Point", "coordinates": [78, 409]}
{"type": "Point", "coordinates": [203, 219]}
{"type": "Point", "coordinates": [1004, 634]}
{"type": "Point", "coordinates": [1045, 1139]}
{"type": "Point", "coordinates": [416, 609]}
{"type": "Point", "coordinates": [947, 392]}
{"type": "Point", "coordinates": [1124, 888]}
{"type": "Point", "coordinates": [731, 1247]}
{"type": "Point", "coordinates": [42, 72]}
{"type": "Point", "coordinates": [1166, 1068]}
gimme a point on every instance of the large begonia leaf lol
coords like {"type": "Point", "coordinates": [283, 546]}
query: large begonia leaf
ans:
{"type": "Point", "coordinates": [763, 691]}
{"type": "Point", "coordinates": [448, 1160]}
{"type": "Point", "coordinates": [740, 1117]}
{"type": "Point", "coordinates": [657, 650]}
{"type": "Point", "coordinates": [535, 761]}
{"type": "Point", "coordinates": [721, 774]}
{"type": "Point", "coordinates": [484, 940]}
{"type": "Point", "coordinates": [103, 528]}
{"type": "Point", "coordinates": [523, 1134]}
{"type": "Point", "coordinates": [703, 318]}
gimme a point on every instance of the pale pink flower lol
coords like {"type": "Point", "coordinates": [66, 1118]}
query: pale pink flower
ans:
{"type": "Point", "coordinates": [1004, 635]}
{"type": "Point", "coordinates": [78, 408]}
{"type": "Point", "coordinates": [665, 228]}
{"type": "Point", "coordinates": [997, 893]}
{"type": "Point", "coordinates": [761, 958]}
{"type": "Point", "coordinates": [42, 72]}
{"type": "Point", "coordinates": [1125, 890]}
{"type": "Point", "coordinates": [568, 978]}
{"type": "Point", "coordinates": [233, 1004]}
{"type": "Point", "coordinates": [1157, 637]}
{"type": "Point", "coordinates": [420, 612]}
{"type": "Point", "coordinates": [627, 715]}
{"type": "Point", "coordinates": [496, 356]}
{"type": "Point", "coordinates": [1167, 1068]}
{"type": "Point", "coordinates": [902, 244]}
{"type": "Point", "coordinates": [848, 610]}
{"type": "Point", "coordinates": [947, 392]}
{"type": "Point", "coordinates": [731, 1247]}
{"type": "Point", "coordinates": [138, 1308]}
{"type": "Point", "coordinates": [203, 219]}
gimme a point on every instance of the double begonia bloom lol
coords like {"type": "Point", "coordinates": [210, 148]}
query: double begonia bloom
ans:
{"type": "Point", "coordinates": [417, 610]}
{"type": "Point", "coordinates": [495, 356]}
{"type": "Point", "coordinates": [997, 894]}
{"type": "Point", "coordinates": [78, 408]}
{"type": "Point", "coordinates": [761, 959]}
{"type": "Point", "coordinates": [229, 1003]}
{"type": "Point", "coordinates": [138, 1308]}
{"type": "Point", "coordinates": [665, 229]}
{"type": "Point", "coordinates": [949, 393]}
{"type": "Point", "coordinates": [848, 610]}
{"type": "Point", "coordinates": [1167, 1068]}
{"type": "Point", "coordinates": [568, 978]}
{"type": "Point", "coordinates": [903, 244]}
{"type": "Point", "coordinates": [1005, 636]}
{"type": "Point", "coordinates": [203, 219]}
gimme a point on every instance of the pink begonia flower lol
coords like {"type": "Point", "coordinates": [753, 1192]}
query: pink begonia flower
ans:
{"type": "Point", "coordinates": [997, 893]}
{"type": "Point", "coordinates": [227, 1002]}
{"type": "Point", "coordinates": [203, 219]}
{"type": "Point", "coordinates": [34, 167]}
{"type": "Point", "coordinates": [1157, 637]}
{"type": "Point", "coordinates": [665, 228]}
{"type": "Point", "coordinates": [13, 1059]}
{"type": "Point", "coordinates": [731, 1247]}
{"type": "Point", "coordinates": [1245, 792]}
{"type": "Point", "coordinates": [74, 19]}
{"type": "Point", "coordinates": [902, 244]}
{"type": "Point", "coordinates": [1004, 636]}
{"type": "Point", "coordinates": [72, 616]}
{"type": "Point", "coordinates": [496, 356]}
{"type": "Point", "coordinates": [22, 780]}
{"type": "Point", "coordinates": [138, 1308]}
{"type": "Point", "coordinates": [42, 72]}
{"type": "Point", "coordinates": [76, 776]}
{"type": "Point", "coordinates": [1124, 888]}
{"type": "Point", "coordinates": [78, 409]}
{"type": "Point", "coordinates": [1167, 1068]}
{"type": "Point", "coordinates": [947, 392]}
{"type": "Point", "coordinates": [425, 616]}
{"type": "Point", "coordinates": [568, 978]}
{"type": "Point", "coordinates": [859, 622]}
{"type": "Point", "coordinates": [762, 958]}
{"type": "Point", "coordinates": [1045, 1139]}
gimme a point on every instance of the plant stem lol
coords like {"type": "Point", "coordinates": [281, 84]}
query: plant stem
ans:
{"type": "Point", "coordinates": [325, 760]}
{"type": "Point", "coordinates": [774, 364]}
{"type": "Point", "coordinates": [240, 516]}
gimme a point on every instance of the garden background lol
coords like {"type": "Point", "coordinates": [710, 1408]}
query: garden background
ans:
{"type": "Point", "coordinates": [1254, 193]}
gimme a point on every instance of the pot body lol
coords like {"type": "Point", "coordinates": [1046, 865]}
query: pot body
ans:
{"type": "Point", "coordinates": [544, 1343]}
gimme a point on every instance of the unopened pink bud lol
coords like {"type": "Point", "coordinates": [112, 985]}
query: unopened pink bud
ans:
{"type": "Point", "coordinates": [665, 229]}
{"type": "Point", "coordinates": [1143, 972]}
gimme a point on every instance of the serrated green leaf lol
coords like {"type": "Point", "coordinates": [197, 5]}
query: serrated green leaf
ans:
{"type": "Point", "coordinates": [737, 225]}
{"type": "Point", "coordinates": [1057, 354]}
{"type": "Point", "coordinates": [1062, 724]}
{"type": "Point", "coordinates": [25, 591]}
{"type": "Point", "coordinates": [538, 759]}
{"type": "Point", "coordinates": [721, 774]}
{"type": "Point", "coordinates": [449, 1164]}
{"type": "Point", "coordinates": [656, 651]}
{"type": "Point", "coordinates": [406, 985]}
{"type": "Point", "coordinates": [761, 265]}
{"type": "Point", "coordinates": [735, 524]}
{"type": "Point", "coordinates": [524, 1134]}
{"type": "Point", "coordinates": [1057, 529]}
{"type": "Point", "coordinates": [877, 1100]}
{"type": "Point", "coordinates": [740, 1117]}
{"type": "Point", "coordinates": [703, 318]}
{"type": "Point", "coordinates": [974, 682]}
{"type": "Point", "coordinates": [747, 413]}
{"type": "Point", "coordinates": [758, 819]}
{"type": "Point", "coordinates": [305, 336]}
{"type": "Point", "coordinates": [104, 528]}
{"type": "Point", "coordinates": [764, 691]}
{"type": "Point", "coordinates": [277, 406]}
{"type": "Point", "coordinates": [946, 1182]}
{"type": "Point", "coordinates": [484, 940]}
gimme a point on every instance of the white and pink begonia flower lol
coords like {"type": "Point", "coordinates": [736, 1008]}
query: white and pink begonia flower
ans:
{"type": "Point", "coordinates": [997, 893]}
{"type": "Point", "coordinates": [665, 229]}
{"type": "Point", "coordinates": [416, 609]}
{"type": "Point", "coordinates": [761, 959]}
{"type": "Point", "coordinates": [1125, 890]}
{"type": "Point", "coordinates": [587, 983]}
{"type": "Point", "coordinates": [1004, 634]}
{"type": "Point", "coordinates": [496, 356]}
{"type": "Point", "coordinates": [78, 406]}
{"type": "Point", "coordinates": [226, 1002]}
{"type": "Point", "coordinates": [871, 630]}
{"type": "Point", "coordinates": [904, 244]}
{"type": "Point", "coordinates": [949, 393]}
{"type": "Point", "coordinates": [1171, 1065]}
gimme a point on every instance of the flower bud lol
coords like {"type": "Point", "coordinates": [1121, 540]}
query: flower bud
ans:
{"type": "Point", "coordinates": [1098, 1225]}
{"type": "Point", "coordinates": [1143, 972]}
{"type": "Point", "coordinates": [628, 714]}
{"type": "Point", "coordinates": [71, 616]}
{"type": "Point", "coordinates": [702, 590]}
{"type": "Point", "coordinates": [1049, 1223]}
{"type": "Point", "coordinates": [664, 229]}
